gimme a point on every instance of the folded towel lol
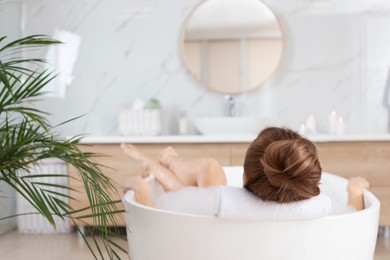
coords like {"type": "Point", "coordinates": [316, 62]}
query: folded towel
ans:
{"type": "Point", "coordinates": [240, 204]}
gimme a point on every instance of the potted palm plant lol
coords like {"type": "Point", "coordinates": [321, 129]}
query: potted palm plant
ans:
{"type": "Point", "coordinates": [27, 137]}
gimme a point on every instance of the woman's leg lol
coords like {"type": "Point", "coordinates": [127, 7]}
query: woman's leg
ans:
{"type": "Point", "coordinates": [202, 172]}
{"type": "Point", "coordinates": [356, 186]}
{"type": "Point", "coordinates": [164, 176]}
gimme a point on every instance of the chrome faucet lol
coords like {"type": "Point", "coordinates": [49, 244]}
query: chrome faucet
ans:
{"type": "Point", "coordinates": [231, 105]}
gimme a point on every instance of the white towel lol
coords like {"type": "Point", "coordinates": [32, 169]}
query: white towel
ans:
{"type": "Point", "coordinates": [191, 200]}
{"type": "Point", "coordinates": [240, 204]}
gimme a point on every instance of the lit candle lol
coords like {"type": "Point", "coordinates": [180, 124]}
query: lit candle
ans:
{"type": "Point", "coordinates": [311, 125]}
{"type": "Point", "coordinates": [332, 122]}
{"type": "Point", "coordinates": [302, 129]}
{"type": "Point", "coordinates": [341, 127]}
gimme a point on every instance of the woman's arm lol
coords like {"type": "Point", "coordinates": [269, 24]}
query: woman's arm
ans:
{"type": "Point", "coordinates": [356, 186]}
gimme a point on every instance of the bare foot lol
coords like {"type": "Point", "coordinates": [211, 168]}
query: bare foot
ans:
{"type": "Point", "coordinates": [131, 151]}
{"type": "Point", "coordinates": [164, 176]}
{"type": "Point", "coordinates": [167, 156]}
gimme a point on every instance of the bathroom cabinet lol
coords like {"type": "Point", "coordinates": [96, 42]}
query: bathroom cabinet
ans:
{"type": "Point", "coordinates": [370, 159]}
{"type": "Point", "coordinates": [359, 158]}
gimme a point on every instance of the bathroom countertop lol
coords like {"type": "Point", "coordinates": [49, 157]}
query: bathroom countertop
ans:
{"type": "Point", "coordinates": [224, 138]}
{"type": "Point", "coordinates": [169, 139]}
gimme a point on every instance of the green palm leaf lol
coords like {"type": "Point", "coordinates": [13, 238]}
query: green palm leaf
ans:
{"type": "Point", "coordinates": [27, 137]}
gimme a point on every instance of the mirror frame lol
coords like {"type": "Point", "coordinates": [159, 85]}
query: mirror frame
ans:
{"type": "Point", "coordinates": [183, 54]}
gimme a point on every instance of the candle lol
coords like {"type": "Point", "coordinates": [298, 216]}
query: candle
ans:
{"type": "Point", "coordinates": [333, 122]}
{"type": "Point", "coordinates": [341, 127]}
{"type": "Point", "coordinates": [311, 125]}
{"type": "Point", "coordinates": [302, 129]}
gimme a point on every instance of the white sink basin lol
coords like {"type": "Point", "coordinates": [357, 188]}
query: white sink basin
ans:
{"type": "Point", "coordinates": [230, 125]}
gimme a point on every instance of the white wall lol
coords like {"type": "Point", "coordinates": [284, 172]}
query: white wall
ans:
{"type": "Point", "coordinates": [337, 57]}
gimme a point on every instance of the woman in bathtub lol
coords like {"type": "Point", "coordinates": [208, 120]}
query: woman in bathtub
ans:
{"type": "Point", "coordinates": [281, 168]}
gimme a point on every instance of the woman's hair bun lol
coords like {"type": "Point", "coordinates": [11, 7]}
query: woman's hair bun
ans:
{"type": "Point", "coordinates": [292, 167]}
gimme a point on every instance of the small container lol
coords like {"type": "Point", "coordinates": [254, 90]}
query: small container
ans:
{"type": "Point", "coordinates": [139, 122]}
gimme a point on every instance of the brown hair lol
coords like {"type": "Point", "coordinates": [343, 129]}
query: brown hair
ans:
{"type": "Point", "coordinates": [282, 166]}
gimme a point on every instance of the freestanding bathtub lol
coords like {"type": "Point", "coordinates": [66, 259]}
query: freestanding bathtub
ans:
{"type": "Point", "coordinates": [155, 234]}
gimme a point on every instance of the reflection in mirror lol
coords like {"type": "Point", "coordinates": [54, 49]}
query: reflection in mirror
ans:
{"type": "Point", "coordinates": [232, 46]}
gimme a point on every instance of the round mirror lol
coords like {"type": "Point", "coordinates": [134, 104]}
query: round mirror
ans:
{"type": "Point", "coordinates": [232, 46]}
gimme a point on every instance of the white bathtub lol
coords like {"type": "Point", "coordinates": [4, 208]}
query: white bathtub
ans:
{"type": "Point", "coordinates": [155, 234]}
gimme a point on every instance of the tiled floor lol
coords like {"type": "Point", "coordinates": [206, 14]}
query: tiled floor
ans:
{"type": "Point", "coordinates": [14, 246]}
{"type": "Point", "coordinates": [382, 251]}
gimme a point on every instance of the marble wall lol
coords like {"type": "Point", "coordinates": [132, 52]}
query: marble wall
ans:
{"type": "Point", "coordinates": [337, 57]}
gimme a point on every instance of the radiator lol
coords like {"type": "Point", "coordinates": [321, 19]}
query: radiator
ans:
{"type": "Point", "coordinates": [35, 223]}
